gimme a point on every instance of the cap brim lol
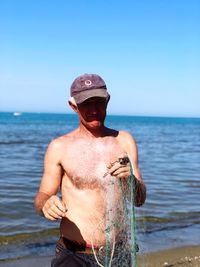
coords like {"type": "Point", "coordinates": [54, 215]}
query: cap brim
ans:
{"type": "Point", "coordinates": [84, 95]}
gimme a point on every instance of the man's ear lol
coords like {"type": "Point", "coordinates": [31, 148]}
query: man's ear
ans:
{"type": "Point", "coordinates": [107, 99]}
{"type": "Point", "coordinates": [73, 105]}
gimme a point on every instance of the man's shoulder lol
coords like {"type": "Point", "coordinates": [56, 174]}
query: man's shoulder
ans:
{"type": "Point", "coordinates": [125, 135]}
{"type": "Point", "coordinates": [121, 135]}
{"type": "Point", "coordinates": [61, 141]}
{"type": "Point", "coordinates": [126, 139]}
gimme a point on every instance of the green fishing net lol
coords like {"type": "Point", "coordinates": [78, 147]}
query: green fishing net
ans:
{"type": "Point", "coordinates": [118, 225]}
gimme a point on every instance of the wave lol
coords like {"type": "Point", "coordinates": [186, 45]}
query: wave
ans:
{"type": "Point", "coordinates": [177, 217]}
{"type": "Point", "coordinates": [36, 236]}
{"type": "Point", "coordinates": [152, 224]}
{"type": "Point", "coordinates": [20, 142]}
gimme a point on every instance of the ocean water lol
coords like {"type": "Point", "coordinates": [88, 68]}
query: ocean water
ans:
{"type": "Point", "coordinates": [169, 154]}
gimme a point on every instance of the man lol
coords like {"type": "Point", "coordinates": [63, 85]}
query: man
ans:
{"type": "Point", "coordinates": [91, 167]}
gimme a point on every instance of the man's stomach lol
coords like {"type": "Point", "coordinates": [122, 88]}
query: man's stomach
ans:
{"type": "Point", "coordinates": [90, 225]}
{"type": "Point", "coordinates": [92, 215]}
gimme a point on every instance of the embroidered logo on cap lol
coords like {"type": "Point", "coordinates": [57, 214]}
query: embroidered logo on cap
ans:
{"type": "Point", "coordinates": [88, 82]}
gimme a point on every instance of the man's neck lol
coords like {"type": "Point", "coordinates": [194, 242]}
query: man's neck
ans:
{"type": "Point", "coordinates": [92, 133]}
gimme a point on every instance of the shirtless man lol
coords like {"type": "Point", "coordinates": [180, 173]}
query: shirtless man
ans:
{"type": "Point", "coordinates": [89, 165]}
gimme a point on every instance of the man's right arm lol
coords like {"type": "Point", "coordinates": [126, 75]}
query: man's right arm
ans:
{"type": "Point", "coordinates": [46, 201]}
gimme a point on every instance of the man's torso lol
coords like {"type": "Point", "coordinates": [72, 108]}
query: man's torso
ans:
{"type": "Point", "coordinates": [94, 201]}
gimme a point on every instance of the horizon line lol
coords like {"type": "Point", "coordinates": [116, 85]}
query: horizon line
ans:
{"type": "Point", "coordinates": [125, 115]}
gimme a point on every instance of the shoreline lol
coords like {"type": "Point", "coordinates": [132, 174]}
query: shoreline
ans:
{"type": "Point", "coordinates": [181, 256]}
{"type": "Point", "coordinates": [186, 256]}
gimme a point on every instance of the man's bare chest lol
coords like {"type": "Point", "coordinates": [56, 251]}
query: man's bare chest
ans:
{"type": "Point", "coordinates": [85, 162]}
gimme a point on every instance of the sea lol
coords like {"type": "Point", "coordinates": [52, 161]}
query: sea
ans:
{"type": "Point", "coordinates": [169, 158]}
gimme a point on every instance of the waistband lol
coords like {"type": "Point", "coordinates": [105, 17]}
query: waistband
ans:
{"type": "Point", "coordinates": [77, 247]}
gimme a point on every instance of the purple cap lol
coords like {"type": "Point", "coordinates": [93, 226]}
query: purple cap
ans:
{"type": "Point", "coordinates": [87, 86]}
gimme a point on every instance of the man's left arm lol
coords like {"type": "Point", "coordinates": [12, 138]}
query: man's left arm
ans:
{"type": "Point", "coordinates": [129, 145]}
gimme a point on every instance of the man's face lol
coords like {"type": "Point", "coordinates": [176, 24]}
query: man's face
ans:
{"type": "Point", "coordinates": [92, 112]}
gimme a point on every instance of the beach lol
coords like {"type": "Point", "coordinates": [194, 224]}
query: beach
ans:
{"type": "Point", "coordinates": [176, 257]}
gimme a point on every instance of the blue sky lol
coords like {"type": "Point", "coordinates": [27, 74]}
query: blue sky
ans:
{"type": "Point", "coordinates": [147, 51]}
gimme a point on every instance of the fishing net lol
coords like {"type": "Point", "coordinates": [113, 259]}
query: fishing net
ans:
{"type": "Point", "coordinates": [118, 225]}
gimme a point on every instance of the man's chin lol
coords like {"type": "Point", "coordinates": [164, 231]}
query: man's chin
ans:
{"type": "Point", "coordinates": [95, 124]}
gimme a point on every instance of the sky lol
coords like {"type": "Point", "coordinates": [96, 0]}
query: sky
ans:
{"type": "Point", "coordinates": [147, 51]}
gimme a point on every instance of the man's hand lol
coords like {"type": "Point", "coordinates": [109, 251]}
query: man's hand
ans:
{"type": "Point", "coordinates": [120, 168]}
{"type": "Point", "coordinates": [54, 209]}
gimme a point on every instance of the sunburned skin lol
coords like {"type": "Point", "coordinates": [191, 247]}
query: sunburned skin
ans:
{"type": "Point", "coordinates": [93, 200]}
{"type": "Point", "coordinates": [87, 167]}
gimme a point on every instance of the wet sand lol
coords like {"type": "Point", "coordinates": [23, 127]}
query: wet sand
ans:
{"type": "Point", "coordinates": [177, 257]}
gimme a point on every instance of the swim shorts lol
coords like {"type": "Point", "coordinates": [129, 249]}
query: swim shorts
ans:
{"type": "Point", "coordinates": [69, 255]}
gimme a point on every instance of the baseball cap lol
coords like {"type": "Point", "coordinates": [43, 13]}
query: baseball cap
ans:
{"type": "Point", "coordinates": [87, 86]}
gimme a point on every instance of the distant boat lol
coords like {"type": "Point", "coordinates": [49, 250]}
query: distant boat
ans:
{"type": "Point", "coordinates": [17, 113]}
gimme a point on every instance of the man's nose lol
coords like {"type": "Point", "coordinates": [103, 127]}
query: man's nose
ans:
{"type": "Point", "coordinates": [93, 108]}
